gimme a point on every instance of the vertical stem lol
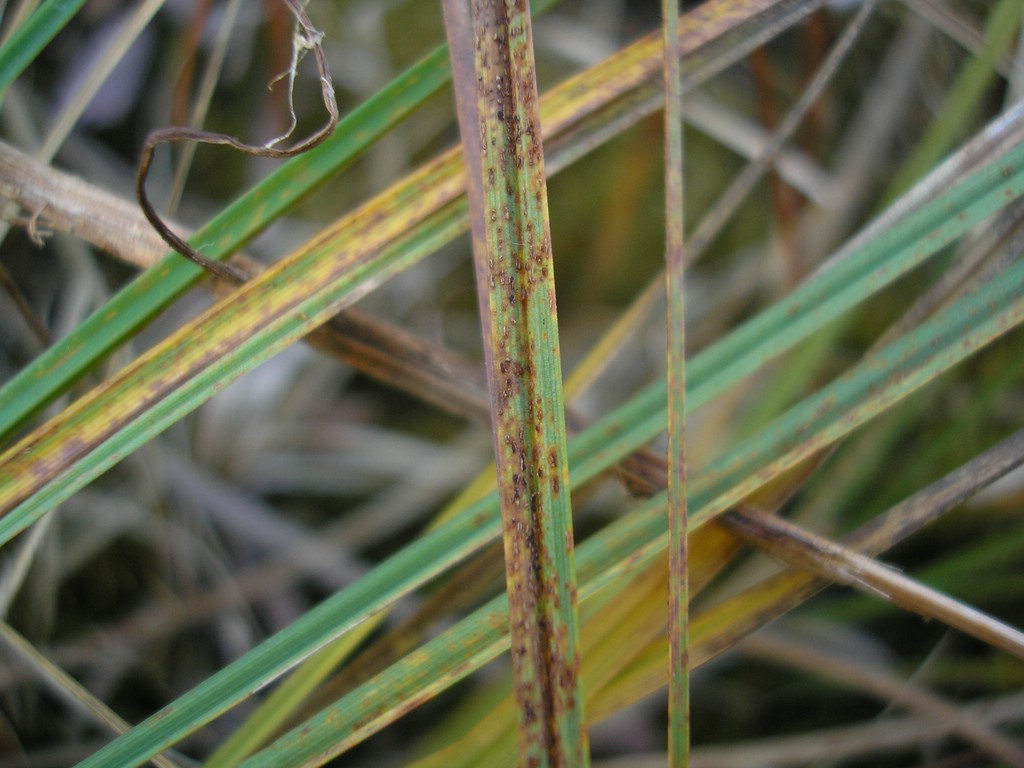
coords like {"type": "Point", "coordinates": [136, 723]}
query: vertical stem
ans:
{"type": "Point", "coordinates": [678, 610]}
{"type": "Point", "coordinates": [500, 126]}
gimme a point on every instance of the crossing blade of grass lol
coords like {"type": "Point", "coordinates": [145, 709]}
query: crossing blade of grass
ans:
{"type": "Point", "coordinates": [955, 281]}
{"type": "Point", "coordinates": [591, 453]}
{"type": "Point", "coordinates": [137, 303]}
{"type": "Point", "coordinates": [797, 546]}
{"type": "Point", "coordinates": [287, 697]}
{"type": "Point", "coordinates": [678, 569]}
{"type": "Point", "coordinates": [992, 185]}
{"type": "Point", "coordinates": [618, 620]}
{"type": "Point", "coordinates": [871, 388]}
{"type": "Point", "coordinates": [493, 729]}
{"type": "Point", "coordinates": [720, 30]}
{"type": "Point", "coordinates": [913, 231]}
{"type": "Point", "coordinates": [262, 318]}
{"type": "Point", "coordinates": [445, 383]}
{"type": "Point", "coordinates": [971, 85]}
{"type": "Point", "coordinates": [896, 369]}
{"type": "Point", "coordinates": [499, 121]}
{"type": "Point", "coordinates": [428, 670]}
{"type": "Point", "coordinates": [392, 355]}
{"type": "Point", "coordinates": [722, 626]}
{"type": "Point", "coordinates": [32, 36]}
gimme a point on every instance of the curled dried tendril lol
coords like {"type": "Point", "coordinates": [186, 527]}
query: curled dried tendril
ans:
{"type": "Point", "coordinates": [307, 38]}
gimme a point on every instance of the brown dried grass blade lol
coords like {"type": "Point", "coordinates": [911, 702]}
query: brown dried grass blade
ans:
{"type": "Point", "coordinates": [806, 550]}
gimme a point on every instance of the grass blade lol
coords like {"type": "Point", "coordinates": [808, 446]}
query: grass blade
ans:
{"type": "Point", "coordinates": [875, 257]}
{"type": "Point", "coordinates": [137, 303]}
{"type": "Point", "coordinates": [835, 562]}
{"type": "Point", "coordinates": [500, 124]}
{"type": "Point", "coordinates": [989, 194]}
{"type": "Point", "coordinates": [708, 34]}
{"type": "Point", "coordinates": [636, 539]}
{"type": "Point", "coordinates": [593, 451]}
{"type": "Point", "coordinates": [32, 36]}
{"type": "Point", "coordinates": [724, 625]}
{"type": "Point", "coordinates": [675, 261]}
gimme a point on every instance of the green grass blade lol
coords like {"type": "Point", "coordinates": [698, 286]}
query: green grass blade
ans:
{"type": "Point", "coordinates": [974, 80]}
{"type": "Point", "coordinates": [137, 303]}
{"type": "Point", "coordinates": [500, 124]}
{"type": "Point", "coordinates": [988, 198]}
{"type": "Point", "coordinates": [473, 642]}
{"type": "Point", "coordinates": [866, 391]}
{"type": "Point", "coordinates": [287, 697]}
{"type": "Point", "coordinates": [725, 624]}
{"type": "Point", "coordinates": [590, 453]}
{"type": "Point", "coordinates": [857, 271]}
{"type": "Point", "coordinates": [32, 36]}
{"type": "Point", "coordinates": [257, 322]}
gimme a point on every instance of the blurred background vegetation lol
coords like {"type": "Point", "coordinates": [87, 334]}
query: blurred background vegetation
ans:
{"type": "Point", "coordinates": [302, 475]}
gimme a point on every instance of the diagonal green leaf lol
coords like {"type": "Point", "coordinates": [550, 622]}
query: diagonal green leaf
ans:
{"type": "Point", "coordinates": [148, 294]}
{"type": "Point", "coordinates": [634, 540]}
{"type": "Point", "coordinates": [590, 453]}
{"type": "Point", "coordinates": [721, 626]}
{"type": "Point", "coordinates": [32, 36]}
{"type": "Point", "coordinates": [714, 35]}
{"type": "Point", "coordinates": [859, 269]}
{"type": "Point", "coordinates": [970, 86]}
